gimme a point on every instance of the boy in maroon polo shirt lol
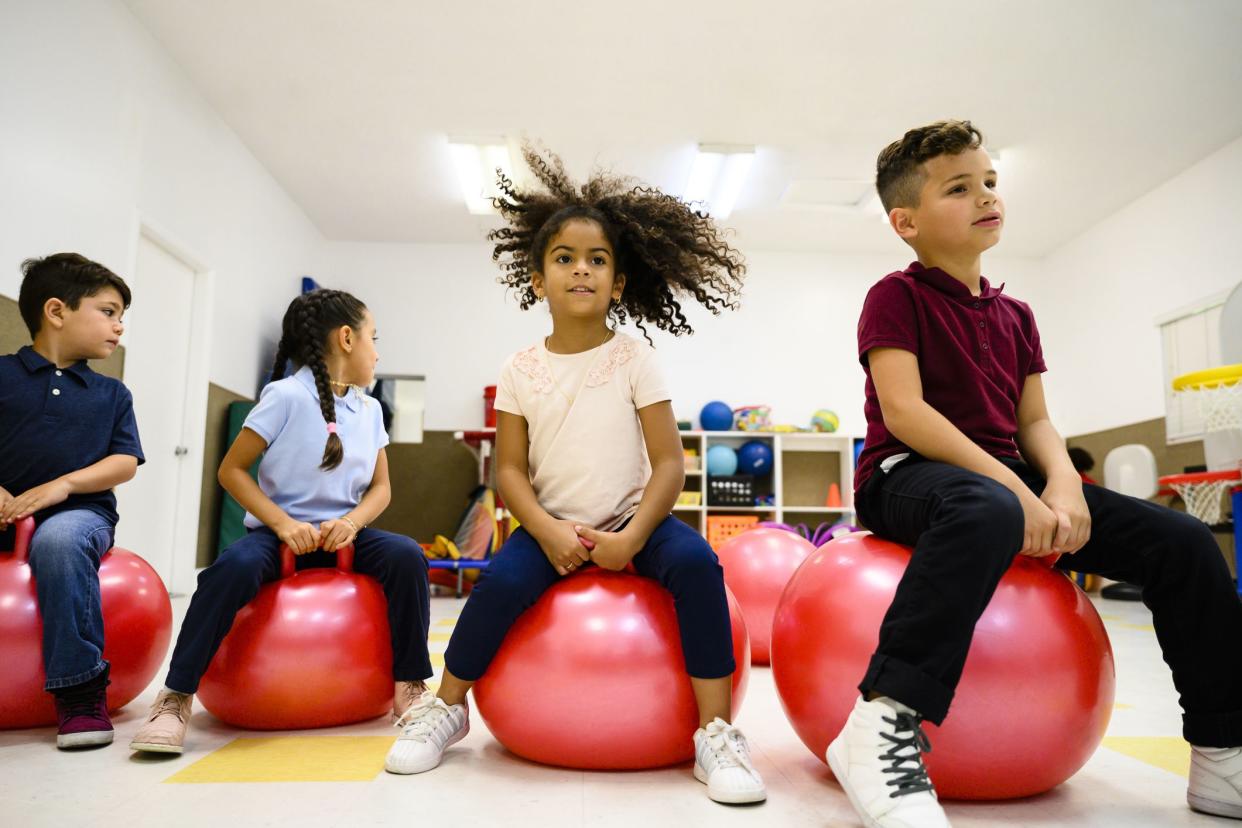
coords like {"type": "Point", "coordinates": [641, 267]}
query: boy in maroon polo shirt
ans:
{"type": "Point", "coordinates": [962, 462]}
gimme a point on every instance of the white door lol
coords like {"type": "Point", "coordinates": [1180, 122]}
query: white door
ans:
{"type": "Point", "coordinates": [157, 360]}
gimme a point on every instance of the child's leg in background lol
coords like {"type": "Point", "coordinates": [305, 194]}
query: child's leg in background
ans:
{"type": "Point", "coordinates": [965, 529]}
{"type": "Point", "coordinates": [684, 564]}
{"type": "Point", "coordinates": [64, 558]}
{"type": "Point", "coordinates": [518, 574]}
{"type": "Point", "coordinates": [223, 589]}
{"type": "Point", "coordinates": [397, 562]}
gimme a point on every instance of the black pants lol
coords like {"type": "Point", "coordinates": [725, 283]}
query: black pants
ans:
{"type": "Point", "coordinates": [234, 579]}
{"type": "Point", "coordinates": [966, 529]}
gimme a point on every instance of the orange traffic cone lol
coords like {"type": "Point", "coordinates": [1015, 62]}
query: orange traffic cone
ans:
{"type": "Point", "coordinates": [834, 496]}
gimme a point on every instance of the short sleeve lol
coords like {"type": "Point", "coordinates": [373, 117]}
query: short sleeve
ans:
{"type": "Point", "coordinates": [506, 391]}
{"type": "Point", "coordinates": [1037, 365]}
{"type": "Point", "coordinates": [888, 319]}
{"type": "Point", "coordinates": [381, 439]}
{"type": "Point", "coordinates": [125, 428]}
{"type": "Point", "coordinates": [647, 380]}
{"type": "Point", "coordinates": [272, 412]}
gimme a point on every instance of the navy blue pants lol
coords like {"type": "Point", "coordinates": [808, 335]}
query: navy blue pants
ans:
{"type": "Point", "coordinates": [966, 529]}
{"type": "Point", "coordinates": [234, 579]}
{"type": "Point", "coordinates": [675, 555]}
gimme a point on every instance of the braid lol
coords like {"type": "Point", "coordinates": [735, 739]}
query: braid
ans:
{"type": "Point", "coordinates": [333, 451]}
{"type": "Point", "coordinates": [307, 324]}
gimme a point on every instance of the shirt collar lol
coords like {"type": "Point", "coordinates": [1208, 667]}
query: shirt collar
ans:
{"type": "Point", "coordinates": [946, 284]}
{"type": "Point", "coordinates": [352, 400]}
{"type": "Point", "coordinates": [35, 362]}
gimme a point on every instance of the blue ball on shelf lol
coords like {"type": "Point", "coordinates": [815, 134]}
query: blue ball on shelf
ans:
{"type": "Point", "coordinates": [721, 461]}
{"type": "Point", "coordinates": [754, 457]}
{"type": "Point", "coordinates": [716, 416]}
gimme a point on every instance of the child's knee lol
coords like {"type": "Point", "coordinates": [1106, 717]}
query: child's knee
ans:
{"type": "Point", "coordinates": [61, 549]}
{"type": "Point", "coordinates": [988, 508]}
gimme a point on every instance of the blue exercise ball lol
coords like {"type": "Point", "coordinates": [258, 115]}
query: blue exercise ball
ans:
{"type": "Point", "coordinates": [721, 461]}
{"type": "Point", "coordinates": [716, 416]}
{"type": "Point", "coordinates": [754, 457]}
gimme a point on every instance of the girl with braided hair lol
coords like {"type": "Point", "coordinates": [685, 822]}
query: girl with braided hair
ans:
{"type": "Point", "coordinates": [322, 478]}
{"type": "Point", "coordinates": [589, 458]}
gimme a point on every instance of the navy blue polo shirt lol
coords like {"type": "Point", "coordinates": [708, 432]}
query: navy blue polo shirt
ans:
{"type": "Point", "coordinates": [54, 421]}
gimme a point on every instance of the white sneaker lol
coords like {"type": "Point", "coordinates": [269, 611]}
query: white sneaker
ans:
{"type": "Point", "coordinates": [878, 759]}
{"type": "Point", "coordinates": [428, 728]}
{"type": "Point", "coordinates": [722, 762]}
{"type": "Point", "coordinates": [1216, 781]}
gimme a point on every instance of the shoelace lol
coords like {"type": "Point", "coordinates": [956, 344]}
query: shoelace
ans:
{"type": "Point", "coordinates": [82, 702]}
{"type": "Point", "coordinates": [411, 692]}
{"type": "Point", "coordinates": [729, 747]}
{"type": "Point", "coordinates": [168, 704]}
{"type": "Point", "coordinates": [421, 719]}
{"type": "Point", "coordinates": [912, 779]}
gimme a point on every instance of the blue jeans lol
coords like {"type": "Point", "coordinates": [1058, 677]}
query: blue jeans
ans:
{"type": "Point", "coordinates": [675, 555]}
{"type": "Point", "coordinates": [64, 559]}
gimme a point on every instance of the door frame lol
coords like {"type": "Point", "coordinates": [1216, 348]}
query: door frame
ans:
{"type": "Point", "coordinates": [184, 559]}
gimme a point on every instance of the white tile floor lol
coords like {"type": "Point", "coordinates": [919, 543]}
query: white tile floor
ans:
{"type": "Point", "coordinates": [480, 783]}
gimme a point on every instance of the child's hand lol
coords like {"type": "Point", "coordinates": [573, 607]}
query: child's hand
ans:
{"type": "Point", "coordinates": [610, 550]}
{"type": "Point", "coordinates": [299, 537]}
{"type": "Point", "coordinates": [5, 497]}
{"type": "Point", "coordinates": [32, 500]}
{"type": "Point", "coordinates": [1040, 526]}
{"type": "Point", "coordinates": [1073, 518]}
{"type": "Point", "coordinates": [563, 548]}
{"type": "Point", "coordinates": [335, 534]}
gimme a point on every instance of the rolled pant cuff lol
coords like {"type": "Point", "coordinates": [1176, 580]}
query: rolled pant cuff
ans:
{"type": "Point", "coordinates": [52, 685]}
{"type": "Point", "coordinates": [912, 687]}
{"type": "Point", "coordinates": [1213, 730]}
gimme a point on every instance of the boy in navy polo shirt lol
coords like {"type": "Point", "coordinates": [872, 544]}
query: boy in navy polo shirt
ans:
{"type": "Point", "coordinates": [67, 437]}
{"type": "Point", "coordinates": [962, 462]}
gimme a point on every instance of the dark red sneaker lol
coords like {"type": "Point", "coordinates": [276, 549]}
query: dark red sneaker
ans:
{"type": "Point", "coordinates": [82, 714]}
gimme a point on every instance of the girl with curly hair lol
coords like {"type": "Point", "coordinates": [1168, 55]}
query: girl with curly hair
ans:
{"type": "Point", "coordinates": [323, 477]}
{"type": "Point", "coordinates": [589, 458]}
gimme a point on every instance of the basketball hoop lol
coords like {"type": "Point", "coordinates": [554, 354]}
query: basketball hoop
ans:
{"type": "Point", "coordinates": [1202, 492]}
{"type": "Point", "coordinates": [1219, 394]}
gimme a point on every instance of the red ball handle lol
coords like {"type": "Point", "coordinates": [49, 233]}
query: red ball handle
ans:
{"type": "Point", "coordinates": [344, 560]}
{"type": "Point", "coordinates": [24, 531]}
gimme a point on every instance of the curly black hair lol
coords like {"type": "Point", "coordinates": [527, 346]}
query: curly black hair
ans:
{"type": "Point", "coordinates": [664, 247]}
{"type": "Point", "coordinates": [309, 321]}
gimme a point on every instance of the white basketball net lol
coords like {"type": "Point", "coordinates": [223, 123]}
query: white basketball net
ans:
{"type": "Point", "coordinates": [1204, 499]}
{"type": "Point", "coordinates": [1221, 405]}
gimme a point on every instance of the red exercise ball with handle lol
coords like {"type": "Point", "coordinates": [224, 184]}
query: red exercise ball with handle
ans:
{"type": "Point", "coordinates": [592, 676]}
{"type": "Point", "coordinates": [1035, 696]}
{"type": "Point", "coordinates": [137, 627]}
{"type": "Point", "coordinates": [757, 565]}
{"type": "Point", "coordinates": [311, 650]}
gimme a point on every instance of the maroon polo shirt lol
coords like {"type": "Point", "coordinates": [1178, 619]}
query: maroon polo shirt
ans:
{"type": "Point", "coordinates": [974, 352]}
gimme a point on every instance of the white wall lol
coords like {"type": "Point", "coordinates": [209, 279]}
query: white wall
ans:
{"type": "Point", "coordinates": [441, 313]}
{"type": "Point", "coordinates": [1097, 297]}
{"type": "Point", "coordinates": [97, 126]}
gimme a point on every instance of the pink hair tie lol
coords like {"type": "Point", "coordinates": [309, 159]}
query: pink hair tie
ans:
{"type": "Point", "coordinates": [332, 428]}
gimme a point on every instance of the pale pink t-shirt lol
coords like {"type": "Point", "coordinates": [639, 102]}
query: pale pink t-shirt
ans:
{"type": "Point", "coordinates": [588, 461]}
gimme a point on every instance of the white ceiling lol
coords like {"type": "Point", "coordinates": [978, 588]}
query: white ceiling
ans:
{"type": "Point", "coordinates": [348, 104]}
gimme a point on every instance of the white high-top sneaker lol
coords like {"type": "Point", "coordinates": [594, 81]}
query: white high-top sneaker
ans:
{"type": "Point", "coordinates": [428, 728]}
{"type": "Point", "coordinates": [722, 762]}
{"type": "Point", "coordinates": [878, 759]}
{"type": "Point", "coordinates": [1216, 781]}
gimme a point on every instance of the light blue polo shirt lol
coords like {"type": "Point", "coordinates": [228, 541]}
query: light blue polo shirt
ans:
{"type": "Point", "coordinates": [289, 420]}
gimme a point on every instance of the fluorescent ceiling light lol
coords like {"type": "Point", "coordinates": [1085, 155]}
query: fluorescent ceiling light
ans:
{"type": "Point", "coordinates": [717, 177]}
{"type": "Point", "coordinates": [476, 165]}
